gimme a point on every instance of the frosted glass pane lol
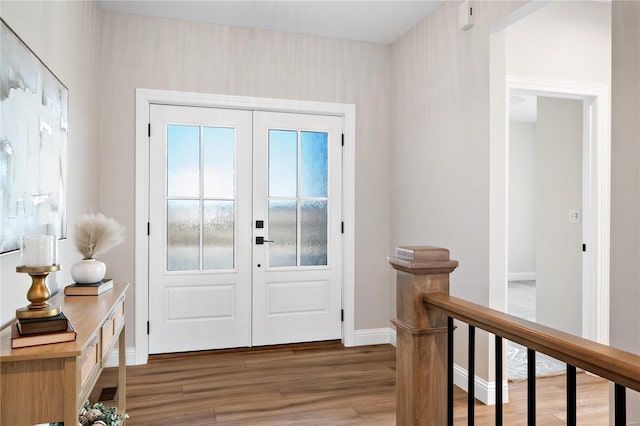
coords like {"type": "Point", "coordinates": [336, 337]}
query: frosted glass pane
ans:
{"type": "Point", "coordinates": [183, 161]}
{"type": "Point", "coordinates": [217, 249]}
{"type": "Point", "coordinates": [313, 164]}
{"type": "Point", "coordinates": [183, 235]}
{"type": "Point", "coordinates": [283, 163]}
{"type": "Point", "coordinates": [313, 233]}
{"type": "Point", "coordinates": [283, 232]}
{"type": "Point", "coordinates": [218, 162]}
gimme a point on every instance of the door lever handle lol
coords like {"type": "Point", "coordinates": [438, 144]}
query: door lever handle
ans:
{"type": "Point", "coordinates": [261, 240]}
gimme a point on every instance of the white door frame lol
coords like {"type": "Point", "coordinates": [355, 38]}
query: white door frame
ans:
{"type": "Point", "coordinates": [146, 97]}
{"type": "Point", "coordinates": [596, 197]}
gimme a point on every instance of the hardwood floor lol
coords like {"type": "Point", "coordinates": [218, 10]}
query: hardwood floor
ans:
{"type": "Point", "coordinates": [312, 386]}
{"type": "Point", "coordinates": [592, 403]}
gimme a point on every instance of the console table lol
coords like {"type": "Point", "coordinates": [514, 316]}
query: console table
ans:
{"type": "Point", "coordinates": [49, 383]}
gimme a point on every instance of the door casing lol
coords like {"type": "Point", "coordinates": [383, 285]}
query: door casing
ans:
{"type": "Point", "coordinates": [146, 97]}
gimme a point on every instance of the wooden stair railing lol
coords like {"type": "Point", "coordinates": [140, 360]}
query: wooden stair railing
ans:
{"type": "Point", "coordinates": [609, 363]}
{"type": "Point", "coordinates": [424, 325]}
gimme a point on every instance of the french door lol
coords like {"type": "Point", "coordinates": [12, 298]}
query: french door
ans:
{"type": "Point", "coordinates": [199, 259]}
{"type": "Point", "coordinates": [245, 246]}
{"type": "Point", "coordinates": [297, 271]}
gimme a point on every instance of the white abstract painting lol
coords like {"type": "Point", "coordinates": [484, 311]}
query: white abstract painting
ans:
{"type": "Point", "coordinates": [33, 145]}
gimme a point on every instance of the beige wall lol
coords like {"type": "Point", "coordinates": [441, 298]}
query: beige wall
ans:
{"type": "Point", "coordinates": [65, 37]}
{"type": "Point", "coordinates": [558, 148]}
{"type": "Point", "coordinates": [625, 186]}
{"type": "Point", "coordinates": [440, 160]}
{"type": "Point", "coordinates": [155, 53]}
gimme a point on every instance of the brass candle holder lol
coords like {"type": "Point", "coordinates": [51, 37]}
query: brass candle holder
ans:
{"type": "Point", "coordinates": [38, 293]}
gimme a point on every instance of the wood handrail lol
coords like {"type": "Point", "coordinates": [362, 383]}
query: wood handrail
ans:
{"type": "Point", "coordinates": [610, 363]}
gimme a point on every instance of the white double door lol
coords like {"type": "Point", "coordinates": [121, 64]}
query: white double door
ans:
{"type": "Point", "coordinates": [245, 245]}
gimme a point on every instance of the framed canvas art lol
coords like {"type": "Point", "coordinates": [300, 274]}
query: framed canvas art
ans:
{"type": "Point", "coordinates": [33, 145]}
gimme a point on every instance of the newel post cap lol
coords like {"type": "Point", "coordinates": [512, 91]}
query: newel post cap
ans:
{"type": "Point", "coordinates": [423, 260]}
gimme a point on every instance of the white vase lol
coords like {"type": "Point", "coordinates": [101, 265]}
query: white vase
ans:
{"type": "Point", "coordinates": [88, 271]}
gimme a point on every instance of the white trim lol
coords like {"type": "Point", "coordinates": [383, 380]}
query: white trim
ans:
{"type": "Point", "coordinates": [393, 337]}
{"type": "Point", "coordinates": [521, 276]}
{"type": "Point", "coordinates": [373, 336]}
{"type": "Point", "coordinates": [349, 216]}
{"type": "Point", "coordinates": [144, 98]}
{"type": "Point", "coordinates": [520, 13]}
{"type": "Point", "coordinates": [141, 252]}
{"type": "Point", "coordinates": [484, 391]}
{"type": "Point", "coordinates": [596, 196]}
{"type": "Point", "coordinates": [112, 359]}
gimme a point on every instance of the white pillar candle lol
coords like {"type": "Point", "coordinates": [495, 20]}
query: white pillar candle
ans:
{"type": "Point", "coordinates": [38, 250]}
{"type": "Point", "coordinates": [54, 248]}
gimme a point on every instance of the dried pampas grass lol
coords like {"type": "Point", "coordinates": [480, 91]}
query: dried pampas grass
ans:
{"type": "Point", "coordinates": [95, 234]}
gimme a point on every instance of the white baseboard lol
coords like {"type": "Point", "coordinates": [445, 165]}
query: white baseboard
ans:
{"type": "Point", "coordinates": [484, 391]}
{"type": "Point", "coordinates": [129, 355]}
{"type": "Point", "coordinates": [373, 336]}
{"type": "Point", "coordinates": [521, 276]}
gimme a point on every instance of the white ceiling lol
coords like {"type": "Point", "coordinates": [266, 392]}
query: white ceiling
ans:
{"type": "Point", "coordinates": [364, 20]}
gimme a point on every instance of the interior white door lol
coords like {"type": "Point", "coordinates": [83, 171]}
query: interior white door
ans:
{"type": "Point", "coordinates": [200, 237]}
{"type": "Point", "coordinates": [297, 239]}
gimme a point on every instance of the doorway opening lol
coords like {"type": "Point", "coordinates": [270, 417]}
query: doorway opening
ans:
{"type": "Point", "coordinates": [246, 243]}
{"type": "Point", "coordinates": [549, 141]}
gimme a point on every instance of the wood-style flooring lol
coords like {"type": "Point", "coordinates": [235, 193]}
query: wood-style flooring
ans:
{"type": "Point", "coordinates": [324, 385]}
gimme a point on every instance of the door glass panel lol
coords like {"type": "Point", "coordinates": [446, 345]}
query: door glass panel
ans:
{"type": "Point", "coordinates": [185, 176]}
{"type": "Point", "coordinates": [183, 161]}
{"type": "Point", "coordinates": [183, 235]}
{"type": "Point", "coordinates": [283, 233]}
{"type": "Point", "coordinates": [218, 162]}
{"type": "Point", "coordinates": [312, 196]}
{"type": "Point", "coordinates": [313, 164]}
{"type": "Point", "coordinates": [218, 224]}
{"type": "Point", "coordinates": [283, 163]}
{"type": "Point", "coordinates": [313, 233]}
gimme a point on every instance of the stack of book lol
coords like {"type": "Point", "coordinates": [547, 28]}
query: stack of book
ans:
{"type": "Point", "coordinates": [94, 289]}
{"type": "Point", "coordinates": [41, 331]}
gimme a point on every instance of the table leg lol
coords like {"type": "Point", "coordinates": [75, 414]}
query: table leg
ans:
{"type": "Point", "coordinates": [122, 372]}
{"type": "Point", "coordinates": [71, 389]}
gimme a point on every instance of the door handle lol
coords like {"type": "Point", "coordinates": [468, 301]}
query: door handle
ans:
{"type": "Point", "coordinates": [261, 240]}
